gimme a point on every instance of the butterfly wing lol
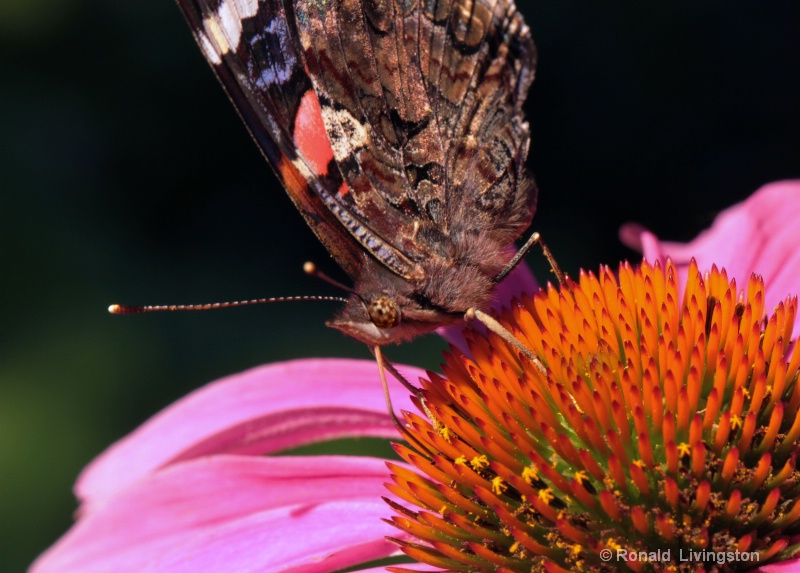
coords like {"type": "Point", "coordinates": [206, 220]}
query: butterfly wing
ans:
{"type": "Point", "coordinates": [422, 102]}
{"type": "Point", "coordinates": [377, 115]}
{"type": "Point", "coordinates": [254, 52]}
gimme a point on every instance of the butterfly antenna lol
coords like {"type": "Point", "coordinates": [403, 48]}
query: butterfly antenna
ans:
{"type": "Point", "coordinates": [311, 269]}
{"type": "Point", "coordinates": [132, 309]}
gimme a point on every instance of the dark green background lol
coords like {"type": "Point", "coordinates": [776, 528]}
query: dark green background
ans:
{"type": "Point", "coordinates": [125, 176]}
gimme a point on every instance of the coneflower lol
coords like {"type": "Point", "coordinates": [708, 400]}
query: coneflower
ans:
{"type": "Point", "coordinates": [654, 431]}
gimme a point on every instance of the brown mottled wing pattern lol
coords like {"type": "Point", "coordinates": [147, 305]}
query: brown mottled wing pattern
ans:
{"type": "Point", "coordinates": [422, 100]}
{"type": "Point", "coordinates": [418, 104]}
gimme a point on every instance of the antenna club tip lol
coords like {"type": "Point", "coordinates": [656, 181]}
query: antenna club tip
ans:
{"type": "Point", "coordinates": [124, 309]}
{"type": "Point", "coordinates": [309, 268]}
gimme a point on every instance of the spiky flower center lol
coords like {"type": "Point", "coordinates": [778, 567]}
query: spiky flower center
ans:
{"type": "Point", "coordinates": [654, 432]}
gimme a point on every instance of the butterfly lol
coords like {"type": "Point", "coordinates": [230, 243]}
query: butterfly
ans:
{"type": "Point", "coordinates": [396, 127]}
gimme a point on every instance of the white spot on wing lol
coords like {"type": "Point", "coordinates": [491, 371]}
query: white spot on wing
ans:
{"type": "Point", "coordinates": [230, 22]}
{"type": "Point", "coordinates": [269, 77]}
{"type": "Point", "coordinates": [225, 27]}
{"type": "Point", "coordinates": [345, 132]}
{"type": "Point", "coordinates": [208, 49]}
{"type": "Point", "coordinates": [280, 70]}
{"type": "Point", "coordinates": [247, 8]}
{"type": "Point", "coordinates": [216, 38]}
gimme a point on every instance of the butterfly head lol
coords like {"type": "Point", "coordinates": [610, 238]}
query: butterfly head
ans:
{"type": "Point", "coordinates": [385, 308]}
{"type": "Point", "coordinates": [385, 321]}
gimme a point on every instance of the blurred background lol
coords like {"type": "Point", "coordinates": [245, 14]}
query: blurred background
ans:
{"type": "Point", "coordinates": [126, 176]}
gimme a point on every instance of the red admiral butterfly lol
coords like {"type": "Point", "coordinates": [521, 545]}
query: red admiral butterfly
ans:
{"type": "Point", "coordinates": [397, 130]}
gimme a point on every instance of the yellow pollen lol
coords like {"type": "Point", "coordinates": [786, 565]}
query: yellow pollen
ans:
{"type": "Point", "coordinates": [479, 462]}
{"type": "Point", "coordinates": [736, 422]}
{"type": "Point", "coordinates": [445, 432]}
{"type": "Point", "coordinates": [581, 477]}
{"type": "Point", "coordinates": [498, 486]}
{"type": "Point", "coordinates": [639, 464]}
{"type": "Point", "coordinates": [684, 450]}
{"type": "Point", "coordinates": [529, 474]}
{"type": "Point", "coordinates": [460, 460]}
{"type": "Point", "coordinates": [546, 495]}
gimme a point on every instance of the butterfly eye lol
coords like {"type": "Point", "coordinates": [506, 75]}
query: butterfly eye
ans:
{"type": "Point", "coordinates": [383, 312]}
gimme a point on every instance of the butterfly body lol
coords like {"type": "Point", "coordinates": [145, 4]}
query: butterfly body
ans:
{"type": "Point", "coordinates": [397, 131]}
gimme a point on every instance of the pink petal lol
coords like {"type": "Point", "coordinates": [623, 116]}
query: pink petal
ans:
{"type": "Point", "coordinates": [788, 566]}
{"type": "Point", "coordinates": [301, 540]}
{"type": "Point", "coordinates": [244, 512]}
{"type": "Point", "coordinates": [520, 281]}
{"type": "Point", "coordinates": [263, 410]}
{"type": "Point", "coordinates": [759, 235]}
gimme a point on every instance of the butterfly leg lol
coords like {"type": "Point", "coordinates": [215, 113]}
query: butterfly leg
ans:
{"type": "Point", "coordinates": [383, 366]}
{"type": "Point", "coordinates": [534, 239]}
{"type": "Point", "coordinates": [501, 331]}
{"type": "Point", "coordinates": [376, 351]}
{"type": "Point", "coordinates": [437, 424]}
{"type": "Point", "coordinates": [399, 377]}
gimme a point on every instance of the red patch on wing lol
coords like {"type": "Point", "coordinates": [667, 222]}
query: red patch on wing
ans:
{"type": "Point", "coordinates": [311, 138]}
